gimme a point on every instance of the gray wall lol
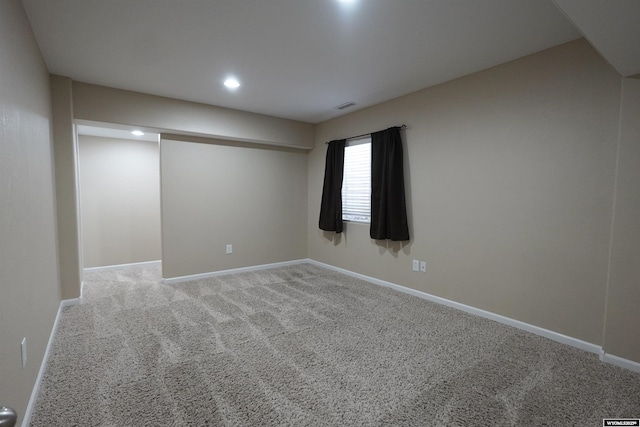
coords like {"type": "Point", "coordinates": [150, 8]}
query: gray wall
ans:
{"type": "Point", "coordinates": [65, 150]}
{"type": "Point", "coordinates": [623, 297]}
{"type": "Point", "coordinates": [510, 177]}
{"type": "Point", "coordinates": [29, 288]}
{"type": "Point", "coordinates": [109, 105]}
{"type": "Point", "coordinates": [93, 104]}
{"type": "Point", "coordinates": [120, 200]}
{"type": "Point", "coordinates": [253, 197]}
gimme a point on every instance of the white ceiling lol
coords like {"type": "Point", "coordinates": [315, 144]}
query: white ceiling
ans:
{"type": "Point", "coordinates": [297, 59]}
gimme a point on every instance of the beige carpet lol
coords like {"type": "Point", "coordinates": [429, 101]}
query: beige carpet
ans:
{"type": "Point", "coordinates": [305, 346]}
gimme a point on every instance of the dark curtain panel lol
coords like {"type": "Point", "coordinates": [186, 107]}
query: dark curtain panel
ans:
{"type": "Point", "coordinates": [331, 205]}
{"type": "Point", "coordinates": [388, 206]}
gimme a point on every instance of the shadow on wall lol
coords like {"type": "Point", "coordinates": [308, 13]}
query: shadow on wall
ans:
{"type": "Point", "coordinates": [334, 237]}
{"type": "Point", "coordinates": [392, 247]}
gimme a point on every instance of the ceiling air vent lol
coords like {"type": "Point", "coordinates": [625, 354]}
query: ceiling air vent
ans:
{"type": "Point", "coordinates": [346, 105]}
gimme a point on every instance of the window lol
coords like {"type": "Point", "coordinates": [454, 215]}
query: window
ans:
{"type": "Point", "coordinates": [356, 181]}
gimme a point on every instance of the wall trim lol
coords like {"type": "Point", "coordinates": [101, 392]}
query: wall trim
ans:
{"type": "Point", "coordinates": [43, 365]}
{"type": "Point", "coordinates": [179, 279]}
{"type": "Point", "coordinates": [117, 266]}
{"type": "Point", "coordinates": [552, 335]}
{"type": "Point", "coordinates": [555, 336]}
{"type": "Point", "coordinates": [620, 362]}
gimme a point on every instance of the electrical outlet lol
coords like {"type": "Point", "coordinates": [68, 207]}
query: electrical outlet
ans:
{"type": "Point", "coordinates": [229, 249]}
{"type": "Point", "coordinates": [23, 351]}
{"type": "Point", "coordinates": [423, 266]}
{"type": "Point", "coordinates": [416, 265]}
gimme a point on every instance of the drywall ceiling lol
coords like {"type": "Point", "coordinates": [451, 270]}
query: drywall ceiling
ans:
{"type": "Point", "coordinates": [612, 27]}
{"type": "Point", "coordinates": [296, 59]}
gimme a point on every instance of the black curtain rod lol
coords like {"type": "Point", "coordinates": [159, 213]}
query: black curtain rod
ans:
{"type": "Point", "coordinates": [365, 134]}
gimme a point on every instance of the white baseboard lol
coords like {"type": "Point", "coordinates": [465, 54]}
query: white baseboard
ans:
{"type": "Point", "coordinates": [552, 335]}
{"type": "Point", "coordinates": [68, 302]}
{"type": "Point", "coordinates": [621, 362]}
{"type": "Point", "coordinates": [114, 267]}
{"type": "Point", "coordinates": [36, 387]}
{"type": "Point", "coordinates": [173, 280]}
{"type": "Point", "coordinates": [555, 336]}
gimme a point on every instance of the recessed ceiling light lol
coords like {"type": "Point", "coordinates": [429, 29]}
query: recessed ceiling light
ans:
{"type": "Point", "coordinates": [348, 5]}
{"type": "Point", "coordinates": [232, 83]}
{"type": "Point", "coordinates": [137, 133]}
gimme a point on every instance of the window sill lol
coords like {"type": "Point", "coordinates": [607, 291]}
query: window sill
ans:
{"type": "Point", "coordinates": [353, 221]}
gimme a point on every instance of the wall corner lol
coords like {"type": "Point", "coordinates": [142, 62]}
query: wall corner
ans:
{"type": "Point", "coordinates": [65, 165]}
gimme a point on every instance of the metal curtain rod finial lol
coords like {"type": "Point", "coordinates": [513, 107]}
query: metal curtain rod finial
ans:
{"type": "Point", "coordinates": [365, 134]}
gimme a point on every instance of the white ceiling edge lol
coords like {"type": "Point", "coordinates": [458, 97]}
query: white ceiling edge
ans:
{"type": "Point", "coordinates": [296, 59]}
{"type": "Point", "coordinates": [612, 27]}
{"type": "Point", "coordinates": [287, 53]}
{"type": "Point", "coordinates": [115, 132]}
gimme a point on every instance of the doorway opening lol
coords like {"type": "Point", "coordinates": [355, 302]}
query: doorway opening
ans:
{"type": "Point", "coordinates": [119, 196]}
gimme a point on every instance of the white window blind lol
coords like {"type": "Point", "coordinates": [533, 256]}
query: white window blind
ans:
{"type": "Point", "coordinates": [356, 181]}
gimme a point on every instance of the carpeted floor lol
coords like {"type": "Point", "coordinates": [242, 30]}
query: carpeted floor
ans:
{"type": "Point", "coordinates": [305, 346]}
